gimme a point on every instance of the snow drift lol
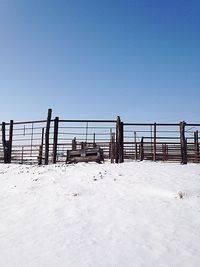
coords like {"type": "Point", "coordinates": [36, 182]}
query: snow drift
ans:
{"type": "Point", "coordinates": [108, 215]}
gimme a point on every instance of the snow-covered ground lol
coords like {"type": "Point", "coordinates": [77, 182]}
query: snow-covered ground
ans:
{"type": "Point", "coordinates": [107, 215]}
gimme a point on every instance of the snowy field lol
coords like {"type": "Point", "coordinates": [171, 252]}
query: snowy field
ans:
{"type": "Point", "coordinates": [107, 215]}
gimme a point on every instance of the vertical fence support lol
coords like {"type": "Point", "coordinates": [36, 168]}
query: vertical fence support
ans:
{"type": "Point", "coordinates": [119, 157]}
{"type": "Point", "coordinates": [154, 143]}
{"type": "Point", "coordinates": [74, 144]}
{"type": "Point", "coordinates": [121, 138]}
{"type": "Point", "coordinates": [142, 149]}
{"type": "Point", "coordinates": [183, 142]}
{"type": "Point", "coordinates": [112, 148]}
{"type": "Point", "coordinates": [7, 145]}
{"type": "Point", "coordinates": [10, 142]}
{"type": "Point", "coordinates": [55, 139]}
{"type": "Point", "coordinates": [94, 140]}
{"type": "Point", "coordinates": [41, 148]}
{"type": "Point", "coordinates": [47, 137]}
{"type": "Point", "coordinates": [196, 146]}
{"type": "Point", "coordinates": [167, 152]}
{"type": "Point", "coordinates": [32, 127]}
{"type": "Point", "coordinates": [135, 146]}
{"type": "Point", "coordinates": [109, 154]}
{"type": "Point", "coordinates": [4, 142]}
{"type": "Point", "coordinates": [117, 140]}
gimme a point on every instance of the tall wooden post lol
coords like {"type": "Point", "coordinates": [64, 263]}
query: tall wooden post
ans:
{"type": "Point", "coordinates": [196, 146]}
{"type": "Point", "coordinates": [183, 143]}
{"type": "Point", "coordinates": [94, 140]}
{"type": "Point", "coordinates": [112, 148]}
{"type": "Point", "coordinates": [154, 143]}
{"type": "Point", "coordinates": [47, 137]}
{"type": "Point", "coordinates": [4, 142]}
{"type": "Point", "coordinates": [135, 146]}
{"type": "Point", "coordinates": [41, 148]}
{"type": "Point", "coordinates": [7, 144]}
{"type": "Point", "coordinates": [142, 149]}
{"type": "Point", "coordinates": [55, 139]}
{"type": "Point", "coordinates": [10, 142]}
{"type": "Point", "coordinates": [119, 157]}
{"type": "Point", "coordinates": [117, 140]}
{"type": "Point", "coordinates": [121, 139]}
{"type": "Point", "coordinates": [166, 152]}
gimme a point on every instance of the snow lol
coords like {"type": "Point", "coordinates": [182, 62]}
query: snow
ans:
{"type": "Point", "coordinates": [104, 215]}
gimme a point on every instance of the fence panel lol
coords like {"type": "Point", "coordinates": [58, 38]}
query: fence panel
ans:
{"type": "Point", "coordinates": [161, 142]}
{"type": "Point", "coordinates": [27, 138]}
{"type": "Point", "coordinates": [87, 131]}
{"type": "Point", "coordinates": [120, 141]}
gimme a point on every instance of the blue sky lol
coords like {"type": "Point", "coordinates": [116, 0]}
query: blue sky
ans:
{"type": "Point", "coordinates": [98, 59]}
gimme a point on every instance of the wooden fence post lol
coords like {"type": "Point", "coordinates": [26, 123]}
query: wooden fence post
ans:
{"type": "Point", "coordinates": [142, 149]}
{"type": "Point", "coordinates": [4, 142]}
{"type": "Point", "coordinates": [121, 148]}
{"type": "Point", "coordinates": [22, 156]}
{"type": "Point", "coordinates": [112, 148]}
{"type": "Point", "coordinates": [183, 142]}
{"type": "Point", "coordinates": [94, 140]}
{"type": "Point", "coordinates": [117, 140]}
{"type": "Point", "coordinates": [55, 139]}
{"type": "Point", "coordinates": [41, 148]}
{"type": "Point", "coordinates": [196, 146]}
{"type": "Point", "coordinates": [154, 143]}
{"type": "Point", "coordinates": [40, 155]}
{"type": "Point", "coordinates": [135, 141]}
{"type": "Point", "coordinates": [74, 144]}
{"type": "Point", "coordinates": [47, 137]}
{"type": "Point", "coordinates": [119, 157]}
{"type": "Point", "coordinates": [10, 142]}
{"type": "Point", "coordinates": [7, 144]}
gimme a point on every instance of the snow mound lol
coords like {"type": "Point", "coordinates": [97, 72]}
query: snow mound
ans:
{"type": "Point", "coordinates": [108, 215]}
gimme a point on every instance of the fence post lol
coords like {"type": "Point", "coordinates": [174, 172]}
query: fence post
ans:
{"type": "Point", "coordinates": [40, 155]}
{"type": "Point", "coordinates": [74, 144]}
{"type": "Point", "coordinates": [154, 143]}
{"type": "Point", "coordinates": [117, 140]}
{"type": "Point", "coordinates": [196, 145]}
{"type": "Point", "coordinates": [94, 140]}
{"type": "Point", "coordinates": [47, 137]}
{"type": "Point", "coordinates": [112, 147]}
{"type": "Point", "coordinates": [142, 149]}
{"type": "Point", "coordinates": [121, 139]}
{"type": "Point", "coordinates": [183, 142]}
{"type": "Point", "coordinates": [4, 143]}
{"type": "Point", "coordinates": [55, 139]}
{"type": "Point", "coordinates": [119, 157]}
{"type": "Point", "coordinates": [41, 148]}
{"type": "Point", "coordinates": [10, 142]}
{"type": "Point", "coordinates": [167, 151]}
{"type": "Point", "coordinates": [135, 146]}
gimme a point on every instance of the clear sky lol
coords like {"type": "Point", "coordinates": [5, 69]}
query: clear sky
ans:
{"type": "Point", "coordinates": [139, 59]}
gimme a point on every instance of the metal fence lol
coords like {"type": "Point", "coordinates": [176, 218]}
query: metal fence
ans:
{"type": "Point", "coordinates": [47, 141]}
{"type": "Point", "coordinates": [161, 142]}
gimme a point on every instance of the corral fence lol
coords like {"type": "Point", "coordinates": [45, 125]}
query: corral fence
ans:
{"type": "Point", "coordinates": [47, 141]}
